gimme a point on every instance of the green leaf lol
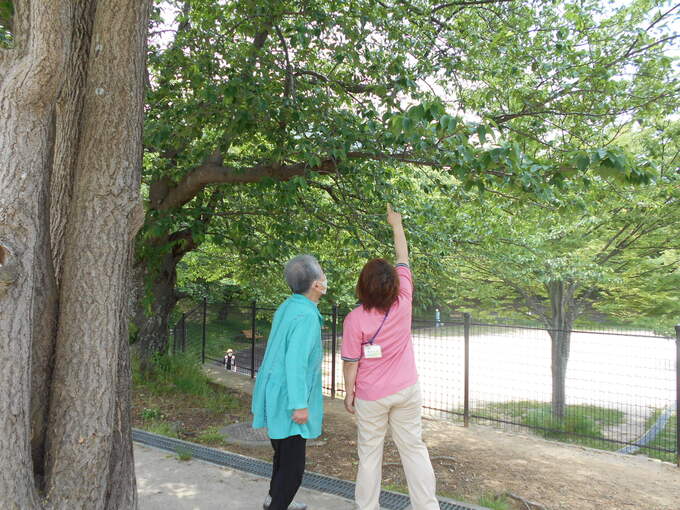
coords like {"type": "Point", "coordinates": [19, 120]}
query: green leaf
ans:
{"type": "Point", "coordinates": [582, 161]}
{"type": "Point", "coordinates": [569, 171]}
{"type": "Point", "coordinates": [417, 113]}
{"type": "Point", "coordinates": [481, 131]}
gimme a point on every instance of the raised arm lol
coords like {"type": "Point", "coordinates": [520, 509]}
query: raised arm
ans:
{"type": "Point", "coordinates": [400, 246]}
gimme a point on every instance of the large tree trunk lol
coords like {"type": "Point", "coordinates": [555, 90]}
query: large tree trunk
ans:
{"type": "Point", "coordinates": [155, 304]}
{"type": "Point", "coordinates": [560, 323]}
{"type": "Point", "coordinates": [93, 288]}
{"type": "Point", "coordinates": [66, 137]}
{"type": "Point", "coordinates": [29, 82]}
{"type": "Point", "coordinates": [121, 486]}
{"type": "Point", "coordinates": [153, 320]}
{"type": "Point", "coordinates": [63, 333]}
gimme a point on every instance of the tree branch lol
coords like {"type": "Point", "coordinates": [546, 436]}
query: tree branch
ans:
{"type": "Point", "coordinates": [467, 3]}
{"type": "Point", "coordinates": [258, 42]}
{"type": "Point", "coordinates": [289, 87]}
{"type": "Point", "coordinates": [183, 241]}
{"type": "Point", "coordinates": [354, 88]}
{"type": "Point", "coordinates": [629, 51]}
{"type": "Point", "coordinates": [212, 172]}
{"type": "Point", "coordinates": [184, 25]}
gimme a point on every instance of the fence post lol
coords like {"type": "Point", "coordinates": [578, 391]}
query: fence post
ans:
{"type": "Point", "coordinates": [205, 311]}
{"type": "Point", "coordinates": [183, 347]}
{"type": "Point", "coordinates": [174, 339]}
{"type": "Point", "coordinates": [466, 384]}
{"type": "Point", "coordinates": [253, 310]}
{"type": "Point", "coordinates": [334, 343]}
{"type": "Point", "coordinates": [677, 395]}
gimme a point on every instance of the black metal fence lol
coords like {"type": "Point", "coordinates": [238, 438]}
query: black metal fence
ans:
{"type": "Point", "coordinates": [622, 387]}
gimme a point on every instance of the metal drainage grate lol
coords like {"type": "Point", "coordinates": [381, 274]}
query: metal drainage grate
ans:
{"type": "Point", "coordinates": [388, 500]}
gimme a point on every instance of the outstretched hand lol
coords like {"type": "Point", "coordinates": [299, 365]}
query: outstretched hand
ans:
{"type": "Point", "coordinates": [393, 218]}
{"type": "Point", "coordinates": [400, 245]}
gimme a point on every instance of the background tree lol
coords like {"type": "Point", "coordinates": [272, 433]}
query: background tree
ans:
{"type": "Point", "coordinates": [71, 111]}
{"type": "Point", "coordinates": [345, 95]}
{"type": "Point", "coordinates": [647, 291]}
{"type": "Point", "coordinates": [588, 249]}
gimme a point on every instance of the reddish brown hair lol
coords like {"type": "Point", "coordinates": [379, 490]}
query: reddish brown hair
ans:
{"type": "Point", "coordinates": [378, 285]}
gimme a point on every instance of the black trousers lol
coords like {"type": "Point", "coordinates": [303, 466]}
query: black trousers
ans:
{"type": "Point", "coordinates": [287, 470]}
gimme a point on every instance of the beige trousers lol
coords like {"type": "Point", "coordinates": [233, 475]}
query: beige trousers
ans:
{"type": "Point", "coordinates": [401, 412]}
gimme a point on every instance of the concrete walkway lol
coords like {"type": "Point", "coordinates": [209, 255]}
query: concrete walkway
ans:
{"type": "Point", "coordinates": [166, 483]}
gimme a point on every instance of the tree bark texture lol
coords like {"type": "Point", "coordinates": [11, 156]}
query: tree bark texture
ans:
{"type": "Point", "coordinates": [153, 323]}
{"type": "Point", "coordinates": [66, 131]}
{"type": "Point", "coordinates": [71, 107]}
{"type": "Point", "coordinates": [564, 309]}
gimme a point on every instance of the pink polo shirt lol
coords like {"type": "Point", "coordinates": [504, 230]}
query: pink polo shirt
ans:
{"type": "Point", "coordinates": [396, 369]}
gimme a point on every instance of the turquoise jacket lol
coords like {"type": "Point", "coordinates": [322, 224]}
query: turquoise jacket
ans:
{"type": "Point", "coordinates": [290, 375]}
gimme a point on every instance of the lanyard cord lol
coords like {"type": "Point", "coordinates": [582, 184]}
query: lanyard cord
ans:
{"type": "Point", "coordinates": [376, 333]}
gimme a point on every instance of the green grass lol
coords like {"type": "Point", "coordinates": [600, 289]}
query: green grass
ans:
{"type": "Point", "coordinates": [162, 428]}
{"type": "Point", "coordinates": [491, 501]}
{"type": "Point", "coordinates": [171, 374]}
{"type": "Point", "coordinates": [175, 398]}
{"type": "Point", "coordinates": [395, 488]}
{"type": "Point", "coordinates": [180, 374]}
{"type": "Point", "coordinates": [183, 454]}
{"type": "Point", "coordinates": [151, 414]}
{"type": "Point", "coordinates": [574, 422]}
{"type": "Point", "coordinates": [221, 403]}
{"type": "Point", "coordinates": [666, 439]}
{"type": "Point", "coordinates": [523, 409]}
{"type": "Point", "coordinates": [494, 502]}
{"type": "Point", "coordinates": [579, 421]}
{"type": "Point", "coordinates": [221, 335]}
{"type": "Point", "coordinates": [211, 436]}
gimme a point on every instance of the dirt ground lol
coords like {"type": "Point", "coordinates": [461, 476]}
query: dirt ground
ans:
{"type": "Point", "coordinates": [469, 462]}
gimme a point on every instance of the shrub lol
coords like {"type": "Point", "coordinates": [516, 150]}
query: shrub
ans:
{"type": "Point", "coordinates": [573, 423]}
{"type": "Point", "coordinates": [151, 414]}
{"type": "Point", "coordinates": [494, 502]}
{"type": "Point", "coordinates": [168, 374]}
{"type": "Point", "coordinates": [183, 454]}
{"type": "Point", "coordinates": [211, 435]}
{"type": "Point", "coordinates": [163, 428]}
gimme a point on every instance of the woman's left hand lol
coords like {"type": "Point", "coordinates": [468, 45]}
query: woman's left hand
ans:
{"type": "Point", "coordinates": [300, 416]}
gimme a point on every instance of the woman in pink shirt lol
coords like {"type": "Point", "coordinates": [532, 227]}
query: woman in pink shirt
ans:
{"type": "Point", "coordinates": [381, 378]}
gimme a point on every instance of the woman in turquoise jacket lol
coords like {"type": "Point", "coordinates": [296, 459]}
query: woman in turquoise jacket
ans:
{"type": "Point", "coordinates": [287, 397]}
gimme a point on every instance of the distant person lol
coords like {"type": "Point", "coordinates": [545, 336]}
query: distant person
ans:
{"type": "Point", "coordinates": [287, 397]}
{"type": "Point", "coordinates": [381, 377]}
{"type": "Point", "coordinates": [230, 360]}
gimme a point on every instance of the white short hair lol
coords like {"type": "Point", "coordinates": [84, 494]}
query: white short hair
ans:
{"type": "Point", "coordinates": [301, 272]}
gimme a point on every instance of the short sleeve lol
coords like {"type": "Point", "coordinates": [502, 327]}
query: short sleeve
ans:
{"type": "Point", "coordinates": [351, 340]}
{"type": "Point", "coordinates": [405, 281]}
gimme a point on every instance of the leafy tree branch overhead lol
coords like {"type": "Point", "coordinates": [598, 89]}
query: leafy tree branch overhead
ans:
{"type": "Point", "coordinates": [245, 96]}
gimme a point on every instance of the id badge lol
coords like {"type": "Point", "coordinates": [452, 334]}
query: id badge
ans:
{"type": "Point", "coordinates": [372, 351]}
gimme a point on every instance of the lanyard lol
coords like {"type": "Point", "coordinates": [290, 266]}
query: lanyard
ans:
{"type": "Point", "coordinates": [376, 333]}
